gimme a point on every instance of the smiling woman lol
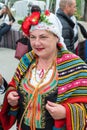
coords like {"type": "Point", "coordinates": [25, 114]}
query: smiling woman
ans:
{"type": "Point", "coordinates": [49, 88]}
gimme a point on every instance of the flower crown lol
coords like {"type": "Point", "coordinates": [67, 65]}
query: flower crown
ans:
{"type": "Point", "coordinates": [34, 19]}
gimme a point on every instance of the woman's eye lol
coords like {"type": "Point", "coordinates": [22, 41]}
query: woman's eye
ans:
{"type": "Point", "coordinates": [43, 37]}
{"type": "Point", "coordinates": [32, 37]}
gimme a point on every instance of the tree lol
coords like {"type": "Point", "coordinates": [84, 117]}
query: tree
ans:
{"type": "Point", "coordinates": [85, 11]}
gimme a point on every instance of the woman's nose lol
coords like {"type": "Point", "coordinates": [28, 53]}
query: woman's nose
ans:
{"type": "Point", "coordinates": [37, 40]}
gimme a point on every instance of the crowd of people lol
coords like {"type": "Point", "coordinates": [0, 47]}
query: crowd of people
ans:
{"type": "Point", "coordinates": [48, 90]}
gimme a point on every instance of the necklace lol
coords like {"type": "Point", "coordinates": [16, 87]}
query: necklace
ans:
{"type": "Point", "coordinates": [33, 99]}
{"type": "Point", "coordinates": [38, 74]}
{"type": "Point", "coordinates": [41, 74]}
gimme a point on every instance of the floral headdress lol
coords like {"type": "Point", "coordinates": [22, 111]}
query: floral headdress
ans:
{"type": "Point", "coordinates": [43, 21]}
{"type": "Point", "coordinates": [34, 19]}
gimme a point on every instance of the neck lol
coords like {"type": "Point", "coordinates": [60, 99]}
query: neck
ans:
{"type": "Point", "coordinates": [45, 63]}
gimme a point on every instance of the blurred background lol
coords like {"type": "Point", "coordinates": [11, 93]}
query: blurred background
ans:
{"type": "Point", "coordinates": [21, 8]}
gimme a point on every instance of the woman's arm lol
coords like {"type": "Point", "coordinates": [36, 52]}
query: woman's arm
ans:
{"type": "Point", "coordinates": [73, 115]}
{"type": "Point", "coordinates": [1, 13]}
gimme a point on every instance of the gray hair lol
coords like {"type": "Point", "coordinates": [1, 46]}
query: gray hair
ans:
{"type": "Point", "coordinates": [63, 3]}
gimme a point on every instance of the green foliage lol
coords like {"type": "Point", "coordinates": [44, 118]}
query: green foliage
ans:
{"type": "Point", "coordinates": [20, 21]}
{"type": "Point", "coordinates": [11, 2]}
{"type": "Point", "coordinates": [78, 12]}
{"type": "Point", "coordinates": [78, 16]}
{"type": "Point", "coordinates": [1, 1]}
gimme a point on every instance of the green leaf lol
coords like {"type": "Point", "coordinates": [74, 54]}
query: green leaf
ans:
{"type": "Point", "coordinates": [20, 21]}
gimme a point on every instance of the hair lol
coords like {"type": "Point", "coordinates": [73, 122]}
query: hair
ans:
{"type": "Point", "coordinates": [63, 3]}
{"type": "Point", "coordinates": [35, 8]}
{"type": "Point", "coordinates": [8, 11]}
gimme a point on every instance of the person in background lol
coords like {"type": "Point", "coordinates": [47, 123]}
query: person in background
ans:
{"type": "Point", "coordinates": [7, 20]}
{"type": "Point", "coordinates": [49, 88]}
{"type": "Point", "coordinates": [3, 84]}
{"type": "Point", "coordinates": [24, 39]}
{"type": "Point", "coordinates": [3, 88]}
{"type": "Point", "coordinates": [65, 14]}
{"type": "Point", "coordinates": [35, 8]}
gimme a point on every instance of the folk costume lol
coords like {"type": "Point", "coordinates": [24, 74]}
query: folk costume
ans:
{"type": "Point", "coordinates": [64, 82]}
{"type": "Point", "coordinates": [68, 88]}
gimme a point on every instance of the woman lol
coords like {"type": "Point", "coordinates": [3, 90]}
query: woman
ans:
{"type": "Point", "coordinates": [49, 88]}
{"type": "Point", "coordinates": [8, 20]}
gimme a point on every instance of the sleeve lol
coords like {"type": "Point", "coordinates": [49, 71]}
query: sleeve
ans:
{"type": "Point", "coordinates": [13, 19]}
{"type": "Point", "coordinates": [8, 113]}
{"type": "Point", "coordinates": [2, 89]}
{"type": "Point", "coordinates": [1, 16]}
{"type": "Point", "coordinates": [4, 86]}
{"type": "Point", "coordinates": [74, 98]}
{"type": "Point", "coordinates": [75, 117]}
{"type": "Point", "coordinates": [83, 30]}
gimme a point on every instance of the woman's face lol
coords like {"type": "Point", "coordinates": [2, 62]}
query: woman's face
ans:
{"type": "Point", "coordinates": [43, 43]}
{"type": "Point", "coordinates": [4, 9]}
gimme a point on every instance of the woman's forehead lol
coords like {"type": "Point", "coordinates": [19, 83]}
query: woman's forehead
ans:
{"type": "Point", "coordinates": [4, 7]}
{"type": "Point", "coordinates": [40, 32]}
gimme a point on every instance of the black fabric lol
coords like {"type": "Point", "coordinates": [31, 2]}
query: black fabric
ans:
{"type": "Point", "coordinates": [82, 50]}
{"type": "Point", "coordinates": [5, 84]}
{"type": "Point", "coordinates": [1, 127]}
{"type": "Point", "coordinates": [1, 15]}
{"type": "Point", "coordinates": [47, 118]}
{"type": "Point", "coordinates": [83, 30]}
{"type": "Point", "coordinates": [12, 18]}
{"type": "Point", "coordinates": [4, 29]}
{"type": "Point", "coordinates": [2, 25]}
{"type": "Point", "coordinates": [67, 29]}
{"type": "Point", "coordinates": [24, 127]}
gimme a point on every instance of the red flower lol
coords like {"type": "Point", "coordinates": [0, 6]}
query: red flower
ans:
{"type": "Point", "coordinates": [33, 19]}
{"type": "Point", "coordinates": [26, 26]}
{"type": "Point", "coordinates": [47, 13]}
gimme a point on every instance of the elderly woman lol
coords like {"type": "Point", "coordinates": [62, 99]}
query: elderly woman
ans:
{"type": "Point", "coordinates": [49, 88]}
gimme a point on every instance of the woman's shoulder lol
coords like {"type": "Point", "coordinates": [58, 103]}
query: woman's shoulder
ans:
{"type": "Point", "coordinates": [70, 57]}
{"type": "Point", "coordinates": [27, 58]}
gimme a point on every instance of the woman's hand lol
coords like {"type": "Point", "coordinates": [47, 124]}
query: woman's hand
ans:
{"type": "Point", "coordinates": [1, 11]}
{"type": "Point", "coordinates": [57, 111]}
{"type": "Point", "coordinates": [10, 23]}
{"type": "Point", "coordinates": [13, 98]}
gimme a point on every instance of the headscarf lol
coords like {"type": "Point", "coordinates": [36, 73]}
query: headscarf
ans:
{"type": "Point", "coordinates": [43, 21]}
